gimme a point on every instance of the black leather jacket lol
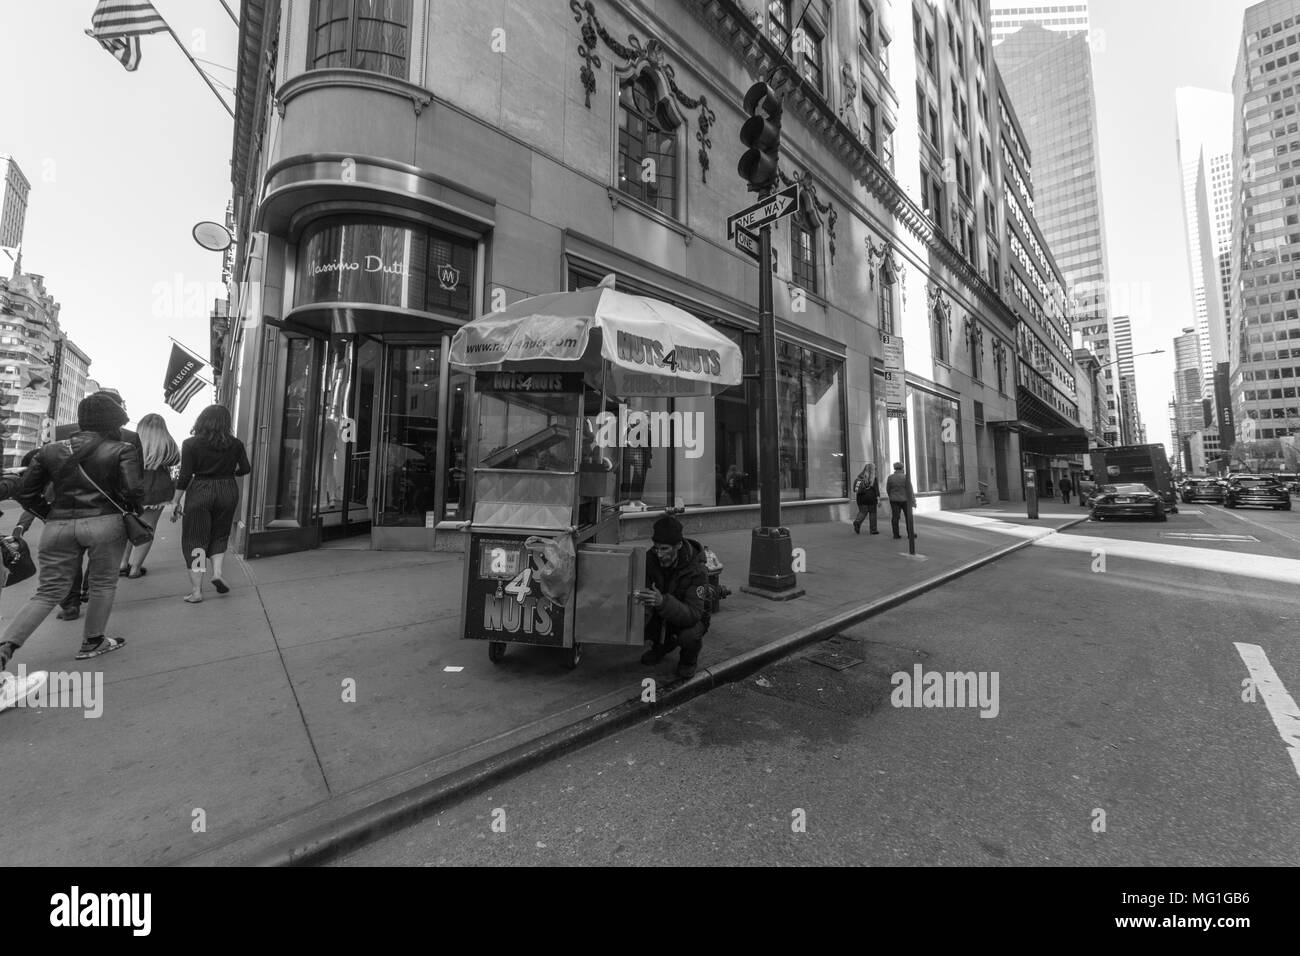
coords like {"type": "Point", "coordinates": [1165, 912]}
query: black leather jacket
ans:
{"type": "Point", "coordinates": [114, 465]}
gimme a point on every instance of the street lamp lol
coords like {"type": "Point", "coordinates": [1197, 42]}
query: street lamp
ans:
{"type": "Point", "coordinates": [1130, 357]}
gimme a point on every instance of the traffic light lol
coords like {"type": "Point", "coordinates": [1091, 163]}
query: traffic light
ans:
{"type": "Point", "coordinates": [761, 134]}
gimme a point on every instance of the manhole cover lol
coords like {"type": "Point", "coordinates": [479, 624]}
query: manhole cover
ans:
{"type": "Point", "coordinates": [836, 662]}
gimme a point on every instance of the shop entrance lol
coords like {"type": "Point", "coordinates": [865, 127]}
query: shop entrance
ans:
{"type": "Point", "coordinates": [379, 436]}
{"type": "Point", "coordinates": [344, 497]}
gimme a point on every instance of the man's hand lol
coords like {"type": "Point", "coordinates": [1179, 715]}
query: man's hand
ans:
{"type": "Point", "coordinates": [651, 598]}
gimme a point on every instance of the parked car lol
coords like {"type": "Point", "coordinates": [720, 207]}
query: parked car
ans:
{"type": "Point", "coordinates": [1127, 501]}
{"type": "Point", "coordinates": [1257, 491]}
{"type": "Point", "coordinates": [1207, 489]}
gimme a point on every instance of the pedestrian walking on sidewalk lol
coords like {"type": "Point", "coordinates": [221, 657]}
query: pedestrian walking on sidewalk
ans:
{"type": "Point", "coordinates": [79, 591]}
{"type": "Point", "coordinates": [160, 455]}
{"type": "Point", "coordinates": [207, 496]}
{"type": "Point", "coordinates": [1066, 487]}
{"type": "Point", "coordinates": [902, 499]}
{"type": "Point", "coordinates": [677, 597]}
{"type": "Point", "coordinates": [866, 491]}
{"type": "Point", "coordinates": [93, 472]}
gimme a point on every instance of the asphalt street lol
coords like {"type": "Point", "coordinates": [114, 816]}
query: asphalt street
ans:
{"type": "Point", "coordinates": [1119, 731]}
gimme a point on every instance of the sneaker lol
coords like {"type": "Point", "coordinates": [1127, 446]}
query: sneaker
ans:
{"type": "Point", "coordinates": [685, 671]}
{"type": "Point", "coordinates": [653, 656]}
{"type": "Point", "coordinates": [98, 646]}
{"type": "Point", "coordinates": [68, 613]}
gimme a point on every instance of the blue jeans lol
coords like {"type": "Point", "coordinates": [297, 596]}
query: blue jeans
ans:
{"type": "Point", "coordinates": [62, 543]}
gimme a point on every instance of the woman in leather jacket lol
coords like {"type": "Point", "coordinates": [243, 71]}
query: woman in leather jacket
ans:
{"type": "Point", "coordinates": [82, 516]}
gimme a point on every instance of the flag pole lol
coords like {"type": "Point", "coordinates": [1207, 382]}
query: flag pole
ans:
{"type": "Point", "coordinates": [206, 80]}
{"type": "Point", "coordinates": [232, 16]}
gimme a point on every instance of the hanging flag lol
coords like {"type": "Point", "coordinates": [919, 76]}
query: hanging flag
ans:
{"type": "Point", "coordinates": [182, 368]}
{"type": "Point", "coordinates": [119, 24]}
{"type": "Point", "coordinates": [180, 398]}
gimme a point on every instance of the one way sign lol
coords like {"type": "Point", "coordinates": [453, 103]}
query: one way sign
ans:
{"type": "Point", "coordinates": [777, 206]}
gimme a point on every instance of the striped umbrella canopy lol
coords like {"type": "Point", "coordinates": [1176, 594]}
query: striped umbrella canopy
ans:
{"type": "Point", "coordinates": [653, 348]}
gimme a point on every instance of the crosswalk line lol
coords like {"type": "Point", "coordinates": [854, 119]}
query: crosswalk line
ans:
{"type": "Point", "coordinates": [1281, 706]}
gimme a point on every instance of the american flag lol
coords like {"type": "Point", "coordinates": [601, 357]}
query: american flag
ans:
{"type": "Point", "coordinates": [119, 24]}
{"type": "Point", "coordinates": [181, 397]}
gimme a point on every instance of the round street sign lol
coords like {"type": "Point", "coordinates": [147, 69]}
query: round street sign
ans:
{"type": "Point", "coordinates": [213, 236]}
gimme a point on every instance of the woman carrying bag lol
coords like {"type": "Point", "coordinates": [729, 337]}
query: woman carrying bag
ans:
{"type": "Point", "coordinates": [96, 479]}
{"type": "Point", "coordinates": [866, 490]}
{"type": "Point", "coordinates": [160, 455]}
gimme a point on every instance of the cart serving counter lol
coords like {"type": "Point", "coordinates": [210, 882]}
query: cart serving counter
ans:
{"type": "Point", "coordinates": [549, 424]}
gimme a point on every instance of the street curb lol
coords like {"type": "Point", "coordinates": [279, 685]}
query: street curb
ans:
{"type": "Point", "coordinates": [327, 841]}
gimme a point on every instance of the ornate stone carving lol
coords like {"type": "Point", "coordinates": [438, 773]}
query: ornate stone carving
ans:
{"type": "Point", "coordinates": [651, 59]}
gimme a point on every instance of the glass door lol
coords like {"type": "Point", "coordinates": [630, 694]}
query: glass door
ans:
{"type": "Point", "coordinates": [407, 452]}
{"type": "Point", "coordinates": [344, 492]}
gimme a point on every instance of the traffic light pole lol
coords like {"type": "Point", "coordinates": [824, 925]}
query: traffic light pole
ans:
{"type": "Point", "coordinates": [769, 485]}
{"type": "Point", "coordinates": [771, 552]}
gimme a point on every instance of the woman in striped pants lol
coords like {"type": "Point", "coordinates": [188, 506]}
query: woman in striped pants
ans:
{"type": "Point", "coordinates": [207, 496]}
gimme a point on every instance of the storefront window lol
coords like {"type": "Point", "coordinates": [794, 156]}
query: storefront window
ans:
{"type": "Point", "coordinates": [936, 443]}
{"type": "Point", "coordinates": [380, 262]}
{"type": "Point", "coordinates": [457, 492]}
{"type": "Point", "coordinates": [294, 482]}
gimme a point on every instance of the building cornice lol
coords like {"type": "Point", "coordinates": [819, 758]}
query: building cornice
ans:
{"type": "Point", "coordinates": [734, 27]}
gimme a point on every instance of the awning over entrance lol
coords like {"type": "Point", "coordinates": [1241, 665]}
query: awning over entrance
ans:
{"type": "Point", "coordinates": [1053, 441]}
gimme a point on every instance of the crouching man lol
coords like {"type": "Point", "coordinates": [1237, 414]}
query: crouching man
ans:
{"type": "Point", "coordinates": [676, 598]}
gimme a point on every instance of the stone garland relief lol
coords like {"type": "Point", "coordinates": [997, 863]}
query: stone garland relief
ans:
{"type": "Point", "coordinates": [650, 58]}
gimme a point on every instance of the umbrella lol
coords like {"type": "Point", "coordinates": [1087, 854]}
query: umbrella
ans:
{"type": "Point", "coordinates": [653, 348]}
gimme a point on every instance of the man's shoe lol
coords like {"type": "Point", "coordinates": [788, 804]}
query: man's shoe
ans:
{"type": "Point", "coordinates": [685, 671]}
{"type": "Point", "coordinates": [857, 527]}
{"type": "Point", "coordinates": [85, 597]}
{"type": "Point", "coordinates": [875, 532]}
{"type": "Point", "coordinates": [69, 613]}
{"type": "Point", "coordinates": [653, 656]}
{"type": "Point", "coordinates": [98, 647]}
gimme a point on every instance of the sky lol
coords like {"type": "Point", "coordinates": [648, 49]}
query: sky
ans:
{"type": "Point", "coordinates": [1147, 49]}
{"type": "Point", "coordinates": [124, 164]}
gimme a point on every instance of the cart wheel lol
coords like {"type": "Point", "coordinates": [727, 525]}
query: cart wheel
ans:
{"type": "Point", "coordinates": [572, 655]}
{"type": "Point", "coordinates": [496, 651]}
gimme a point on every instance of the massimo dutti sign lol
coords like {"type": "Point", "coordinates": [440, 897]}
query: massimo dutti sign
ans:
{"type": "Point", "coordinates": [384, 263]}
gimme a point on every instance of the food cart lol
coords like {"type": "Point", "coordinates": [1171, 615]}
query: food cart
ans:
{"type": "Point", "coordinates": [547, 431]}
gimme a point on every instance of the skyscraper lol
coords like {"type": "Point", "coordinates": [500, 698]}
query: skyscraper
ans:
{"type": "Point", "coordinates": [1010, 15]}
{"type": "Point", "coordinates": [1131, 431]}
{"type": "Point", "coordinates": [1204, 124]}
{"type": "Point", "coordinates": [14, 188]}
{"type": "Point", "coordinates": [1188, 387]}
{"type": "Point", "coordinates": [1264, 338]}
{"type": "Point", "coordinates": [1046, 66]}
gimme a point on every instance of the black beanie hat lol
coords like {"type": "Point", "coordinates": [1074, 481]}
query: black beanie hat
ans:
{"type": "Point", "coordinates": [667, 530]}
{"type": "Point", "coordinates": [99, 413]}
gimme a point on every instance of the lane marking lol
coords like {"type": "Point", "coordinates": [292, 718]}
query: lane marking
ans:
{"type": "Point", "coordinates": [1281, 707]}
{"type": "Point", "coordinates": [1265, 567]}
{"type": "Point", "coordinates": [1258, 525]}
{"type": "Point", "coordinates": [1206, 536]}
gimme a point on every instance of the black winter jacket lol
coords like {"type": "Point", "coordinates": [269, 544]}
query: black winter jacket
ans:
{"type": "Point", "coordinates": [114, 466]}
{"type": "Point", "coordinates": [685, 586]}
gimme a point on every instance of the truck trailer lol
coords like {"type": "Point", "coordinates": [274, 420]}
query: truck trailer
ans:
{"type": "Point", "coordinates": [1144, 464]}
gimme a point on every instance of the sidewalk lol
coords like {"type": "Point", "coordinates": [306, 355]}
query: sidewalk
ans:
{"type": "Point", "coordinates": [228, 717]}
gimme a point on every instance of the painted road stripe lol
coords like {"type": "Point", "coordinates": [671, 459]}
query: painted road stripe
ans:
{"type": "Point", "coordinates": [1283, 710]}
{"type": "Point", "coordinates": [1199, 536]}
{"type": "Point", "coordinates": [1262, 567]}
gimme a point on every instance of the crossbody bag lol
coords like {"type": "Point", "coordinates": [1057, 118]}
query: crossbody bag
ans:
{"type": "Point", "coordinates": [137, 532]}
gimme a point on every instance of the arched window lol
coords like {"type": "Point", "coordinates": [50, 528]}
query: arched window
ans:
{"type": "Point", "coordinates": [886, 280]}
{"type": "Point", "coordinates": [647, 147]}
{"type": "Point", "coordinates": [368, 35]}
{"type": "Point", "coordinates": [803, 252]}
{"type": "Point", "coordinates": [940, 333]}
